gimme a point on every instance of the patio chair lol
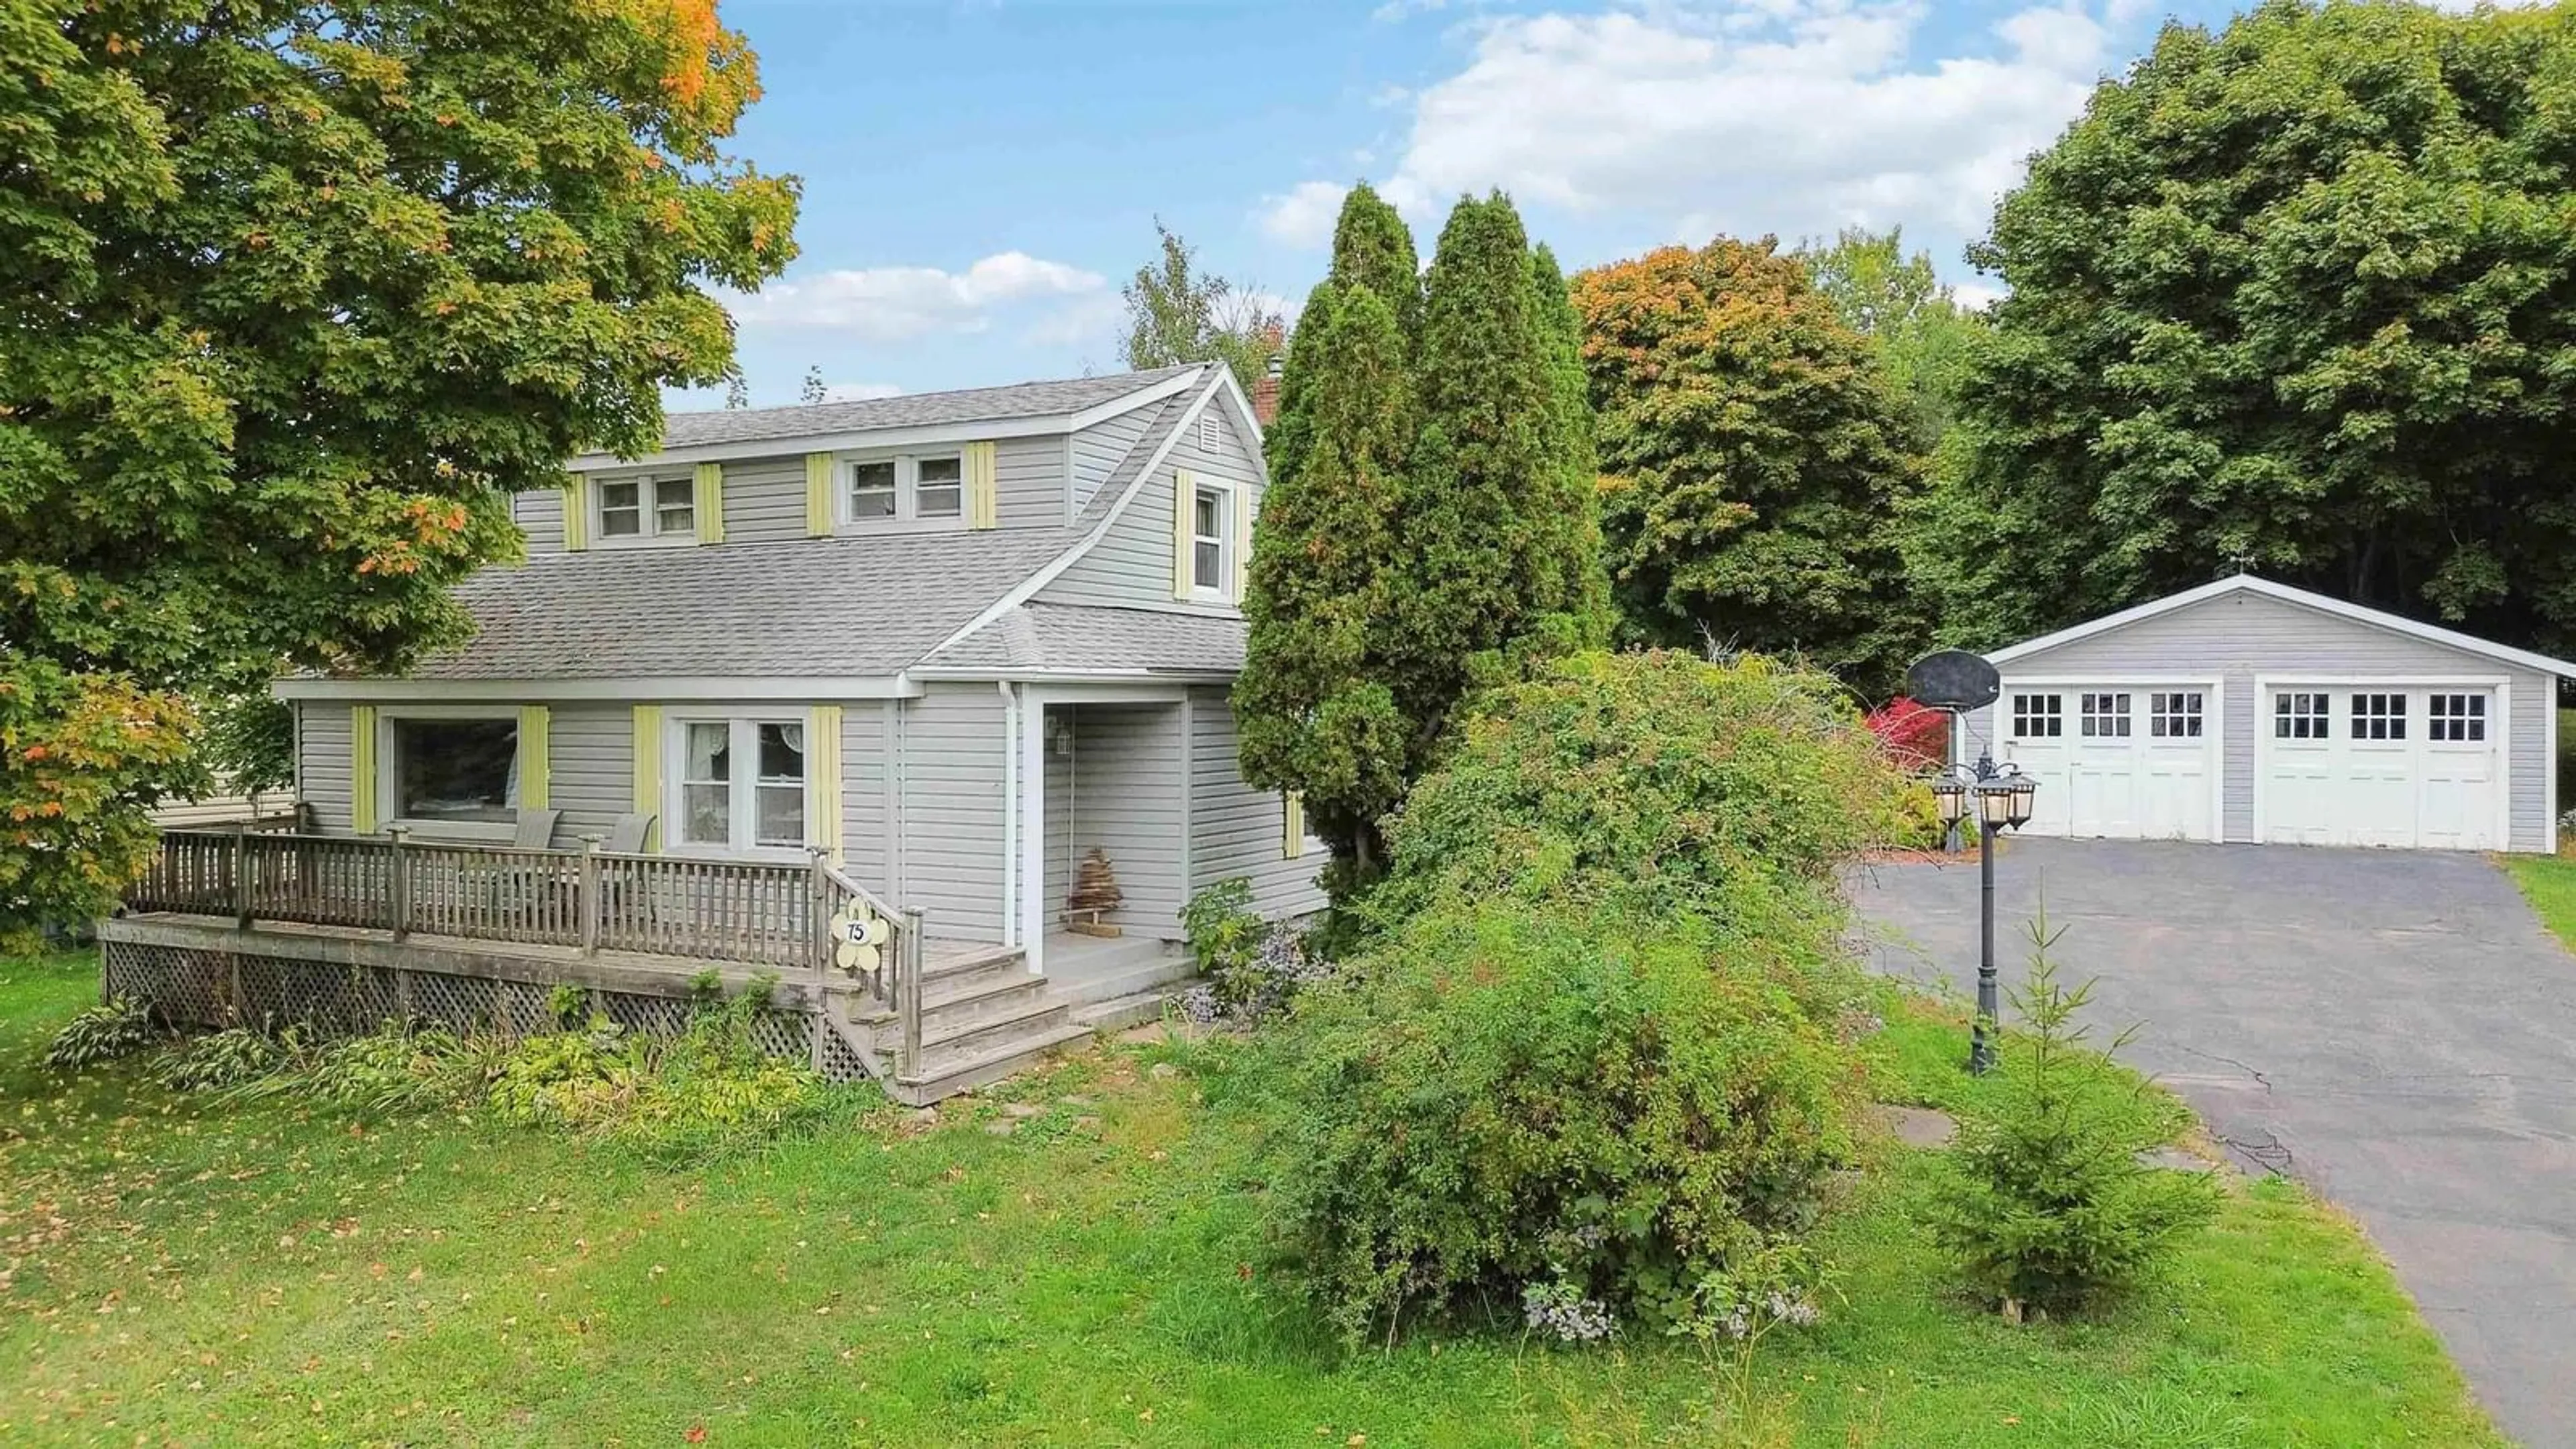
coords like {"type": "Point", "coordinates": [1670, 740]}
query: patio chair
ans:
{"type": "Point", "coordinates": [536, 829]}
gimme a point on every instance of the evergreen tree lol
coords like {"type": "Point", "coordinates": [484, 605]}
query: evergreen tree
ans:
{"type": "Point", "coordinates": [1372, 248]}
{"type": "Point", "coordinates": [1315, 708]}
{"type": "Point", "coordinates": [1584, 583]}
{"type": "Point", "coordinates": [1483, 576]}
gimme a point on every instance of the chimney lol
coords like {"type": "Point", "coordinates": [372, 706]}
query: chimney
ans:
{"type": "Point", "coordinates": [1265, 389]}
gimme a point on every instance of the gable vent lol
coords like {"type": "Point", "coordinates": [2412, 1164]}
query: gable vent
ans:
{"type": "Point", "coordinates": [1211, 433]}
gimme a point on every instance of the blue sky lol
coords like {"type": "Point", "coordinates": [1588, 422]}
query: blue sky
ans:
{"type": "Point", "coordinates": [981, 175]}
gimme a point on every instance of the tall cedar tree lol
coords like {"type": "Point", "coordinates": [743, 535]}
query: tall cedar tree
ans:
{"type": "Point", "coordinates": [299, 294]}
{"type": "Point", "coordinates": [1755, 461]}
{"type": "Point", "coordinates": [1315, 704]}
{"type": "Point", "coordinates": [1489, 573]}
{"type": "Point", "coordinates": [2300, 297]}
{"type": "Point", "coordinates": [1428, 524]}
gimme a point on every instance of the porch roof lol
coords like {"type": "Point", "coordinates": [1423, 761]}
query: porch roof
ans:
{"type": "Point", "coordinates": [1086, 639]}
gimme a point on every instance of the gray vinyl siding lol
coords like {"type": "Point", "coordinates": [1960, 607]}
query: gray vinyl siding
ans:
{"type": "Point", "coordinates": [2235, 637]}
{"type": "Point", "coordinates": [1132, 563]}
{"type": "Point", "coordinates": [1123, 795]}
{"type": "Point", "coordinates": [764, 499]}
{"type": "Point", "coordinates": [1097, 449]}
{"type": "Point", "coordinates": [863, 794]}
{"type": "Point", "coordinates": [1237, 830]}
{"type": "Point", "coordinates": [952, 810]}
{"type": "Point", "coordinates": [590, 768]}
{"type": "Point", "coordinates": [539, 513]}
{"type": "Point", "coordinates": [322, 763]}
{"type": "Point", "coordinates": [1028, 482]}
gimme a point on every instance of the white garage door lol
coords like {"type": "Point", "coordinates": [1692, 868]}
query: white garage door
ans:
{"type": "Point", "coordinates": [2136, 762]}
{"type": "Point", "coordinates": [2380, 764]}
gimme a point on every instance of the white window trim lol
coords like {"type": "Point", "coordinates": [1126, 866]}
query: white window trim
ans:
{"type": "Point", "coordinates": [650, 519]}
{"type": "Point", "coordinates": [907, 482]}
{"type": "Point", "coordinates": [389, 775]}
{"type": "Point", "coordinates": [1227, 563]}
{"type": "Point", "coordinates": [743, 794]}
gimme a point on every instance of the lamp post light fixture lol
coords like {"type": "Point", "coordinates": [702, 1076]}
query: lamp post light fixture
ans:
{"type": "Point", "coordinates": [2002, 800]}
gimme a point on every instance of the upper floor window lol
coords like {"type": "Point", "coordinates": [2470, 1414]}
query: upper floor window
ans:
{"type": "Point", "coordinates": [1211, 539]}
{"type": "Point", "coordinates": [924, 486]}
{"type": "Point", "coordinates": [643, 509]}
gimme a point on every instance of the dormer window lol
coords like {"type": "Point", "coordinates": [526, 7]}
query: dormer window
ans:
{"type": "Point", "coordinates": [647, 509]}
{"type": "Point", "coordinates": [904, 487]}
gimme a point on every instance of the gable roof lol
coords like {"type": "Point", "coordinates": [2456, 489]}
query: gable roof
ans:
{"type": "Point", "coordinates": [1091, 640]}
{"type": "Point", "coordinates": [2249, 584]}
{"type": "Point", "coordinates": [844, 606]}
{"type": "Point", "coordinates": [1060, 398]}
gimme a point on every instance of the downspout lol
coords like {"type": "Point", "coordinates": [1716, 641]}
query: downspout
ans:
{"type": "Point", "coordinates": [1010, 812]}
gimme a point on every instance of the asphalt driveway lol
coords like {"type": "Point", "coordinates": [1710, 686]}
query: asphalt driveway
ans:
{"type": "Point", "coordinates": [2394, 1028]}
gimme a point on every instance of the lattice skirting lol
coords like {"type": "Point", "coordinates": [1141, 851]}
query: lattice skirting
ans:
{"type": "Point", "coordinates": [212, 988]}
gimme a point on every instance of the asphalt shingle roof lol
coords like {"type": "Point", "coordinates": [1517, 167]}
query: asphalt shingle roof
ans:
{"type": "Point", "coordinates": [1083, 638]}
{"type": "Point", "coordinates": [973, 405]}
{"type": "Point", "coordinates": [828, 606]}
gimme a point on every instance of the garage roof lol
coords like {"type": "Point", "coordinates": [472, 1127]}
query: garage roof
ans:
{"type": "Point", "coordinates": [2249, 584]}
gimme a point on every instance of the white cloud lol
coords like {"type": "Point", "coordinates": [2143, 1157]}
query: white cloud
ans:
{"type": "Point", "coordinates": [896, 304]}
{"type": "Point", "coordinates": [861, 391]}
{"type": "Point", "coordinates": [1793, 116]}
{"type": "Point", "coordinates": [1088, 319]}
{"type": "Point", "coordinates": [1305, 216]}
{"type": "Point", "coordinates": [1977, 296]}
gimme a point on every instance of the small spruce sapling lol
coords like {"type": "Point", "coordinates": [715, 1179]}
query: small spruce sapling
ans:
{"type": "Point", "coordinates": [2043, 1198]}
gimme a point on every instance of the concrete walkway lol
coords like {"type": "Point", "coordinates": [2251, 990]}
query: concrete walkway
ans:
{"type": "Point", "coordinates": [2394, 1028]}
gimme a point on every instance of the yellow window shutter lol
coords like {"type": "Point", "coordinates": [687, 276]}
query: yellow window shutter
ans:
{"type": "Point", "coordinates": [1184, 500]}
{"type": "Point", "coordinates": [576, 504]}
{"type": "Point", "coordinates": [818, 494]}
{"type": "Point", "coordinates": [709, 502]}
{"type": "Point", "coordinates": [534, 753]}
{"type": "Point", "coordinates": [983, 489]}
{"type": "Point", "coordinates": [823, 777]}
{"type": "Point", "coordinates": [1242, 522]}
{"type": "Point", "coordinates": [1292, 826]}
{"type": "Point", "coordinates": [362, 768]}
{"type": "Point", "coordinates": [648, 769]}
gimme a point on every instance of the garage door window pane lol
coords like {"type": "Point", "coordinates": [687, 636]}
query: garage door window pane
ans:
{"type": "Point", "coordinates": [2174, 716]}
{"type": "Point", "coordinates": [2299, 717]}
{"type": "Point", "coordinates": [2379, 716]}
{"type": "Point", "coordinates": [2106, 716]}
{"type": "Point", "coordinates": [2459, 718]}
{"type": "Point", "coordinates": [2038, 716]}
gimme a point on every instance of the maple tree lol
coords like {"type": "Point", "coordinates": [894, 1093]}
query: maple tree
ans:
{"type": "Point", "coordinates": [300, 294]}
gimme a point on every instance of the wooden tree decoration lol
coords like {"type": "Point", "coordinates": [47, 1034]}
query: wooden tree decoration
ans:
{"type": "Point", "coordinates": [1095, 890]}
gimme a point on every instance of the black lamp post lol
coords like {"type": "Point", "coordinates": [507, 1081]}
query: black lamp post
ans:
{"type": "Point", "coordinates": [2000, 796]}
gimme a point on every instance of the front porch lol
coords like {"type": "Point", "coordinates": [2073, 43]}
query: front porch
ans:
{"type": "Point", "coordinates": [240, 927]}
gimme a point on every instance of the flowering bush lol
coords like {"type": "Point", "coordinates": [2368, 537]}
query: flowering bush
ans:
{"type": "Point", "coordinates": [1916, 735]}
{"type": "Point", "coordinates": [1253, 966]}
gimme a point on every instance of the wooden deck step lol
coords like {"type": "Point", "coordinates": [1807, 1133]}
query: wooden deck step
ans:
{"type": "Point", "coordinates": [990, 1065]}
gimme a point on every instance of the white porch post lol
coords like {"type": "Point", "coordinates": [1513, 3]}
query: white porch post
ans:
{"type": "Point", "coordinates": [1032, 817]}
{"type": "Point", "coordinates": [1010, 812]}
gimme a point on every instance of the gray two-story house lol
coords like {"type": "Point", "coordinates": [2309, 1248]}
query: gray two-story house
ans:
{"type": "Point", "coordinates": [971, 648]}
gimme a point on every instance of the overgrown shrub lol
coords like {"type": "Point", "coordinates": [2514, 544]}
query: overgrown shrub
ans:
{"type": "Point", "coordinates": [1651, 782]}
{"type": "Point", "coordinates": [1254, 967]}
{"type": "Point", "coordinates": [708, 1090]}
{"type": "Point", "coordinates": [2043, 1198]}
{"type": "Point", "coordinates": [1505, 1096]}
{"type": "Point", "coordinates": [117, 1028]}
{"type": "Point", "coordinates": [398, 1068]}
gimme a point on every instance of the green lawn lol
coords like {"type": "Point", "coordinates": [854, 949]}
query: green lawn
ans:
{"type": "Point", "coordinates": [172, 1271]}
{"type": "Point", "coordinates": [2549, 883]}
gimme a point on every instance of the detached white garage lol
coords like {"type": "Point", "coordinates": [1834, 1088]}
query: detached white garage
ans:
{"type": "Point", "coordinates": [2247, 710]}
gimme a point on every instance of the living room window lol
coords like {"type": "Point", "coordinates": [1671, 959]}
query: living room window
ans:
{"type": "Point", "coordinates": [905, 487]}
{"type": "Point", "coordinates": [448, 770]}
{"type": "Point", "coordinates": [647, 510]}
{"type": "Point", "coordinates": [741, 784]}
